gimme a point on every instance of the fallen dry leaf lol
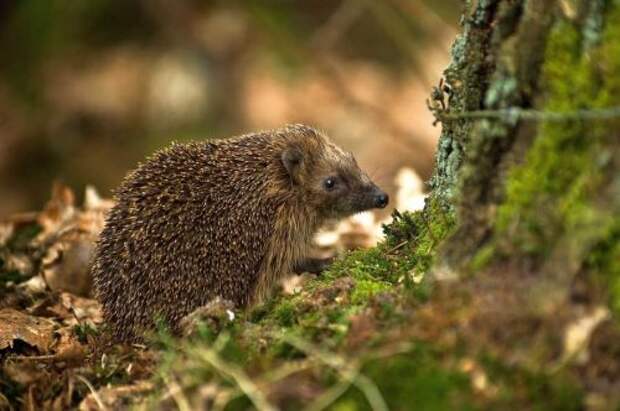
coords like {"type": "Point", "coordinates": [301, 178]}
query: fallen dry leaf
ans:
{"type": "Point", "coordinates": [67, 265]}
{"type": "Point", "coordinates": [6, 231]}
{"type": "Point", "coordinates": [68, 348]}
{"type": "Point", "coordinates": [82, 309]}
{"type": "Point", "coordinates": [57, 211]}
{"type": "Point", "coordinates": [94, 202]}
{"type": "Point", "coordinates": [35, 331]}
{"type": "Point", "coordinates": [68, 238]}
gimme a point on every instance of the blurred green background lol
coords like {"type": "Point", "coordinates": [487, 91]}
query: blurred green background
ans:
{"type": "Point", "coordinates": [89, 88]}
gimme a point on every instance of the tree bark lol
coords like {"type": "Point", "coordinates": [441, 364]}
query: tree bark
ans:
{"type": "Point", "coordinates": [541, 192]}
{"type": "Point", "coordinates": [528, 165]}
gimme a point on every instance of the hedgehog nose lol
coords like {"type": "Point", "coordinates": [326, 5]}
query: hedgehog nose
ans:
{"type": "Point", "coordinates": [381, 200]}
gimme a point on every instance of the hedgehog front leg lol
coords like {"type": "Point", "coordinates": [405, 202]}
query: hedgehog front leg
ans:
{"type": "Point", "coordinates": [312, 265]}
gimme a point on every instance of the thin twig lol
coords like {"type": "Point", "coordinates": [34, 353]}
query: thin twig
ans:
{"type": "Point", "coordinates": [401, 348]}
{"type": "Point", "coordinates": [31, 398]}
{"type": "Point", "coordinates": [35, 357]}
{"type": "Point", "coordinates": [329, 396]}
{"type": "Point", "coordinates": [4, 401]}
{"type": "Point", "coordinates": [347, 370]}
{"type": "Point", "coordinates": [176, 392]}
{"type": "Point", "coordinates": [223, 397]}
{"type": "Point", "coordinates": [270, 377]}
{"type": "Point", "coordinates": [285, 370]}
{"type": "Point", "coordinates": [241, 379]}
{"type": "Point", "coordinates": [220, 342]}
{"type": "Point", "coordinates": [100, 403]}
{"type": "Point", "coordinates": [514, 114]}
{"type": "Point", "coordinates": [397, 247]}
{"type": "Point", "coordinates": [371, 391]}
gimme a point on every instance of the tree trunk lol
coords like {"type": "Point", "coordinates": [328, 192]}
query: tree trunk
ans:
{"type": "Point", "coordinates": [539, 188]}
{"type": "Point", "coordinates": [529, 165]}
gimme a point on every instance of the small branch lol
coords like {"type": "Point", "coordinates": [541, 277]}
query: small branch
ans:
{"type": "Point", "coordinates": [514, 114]}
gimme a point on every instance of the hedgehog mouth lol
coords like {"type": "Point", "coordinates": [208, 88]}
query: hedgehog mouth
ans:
{"type": "Point", "coordinates": [358, 209]}
{"type": "Point", "coordinates": [377, 199]}
{"type": "Point", "coordinates": [364, 209]}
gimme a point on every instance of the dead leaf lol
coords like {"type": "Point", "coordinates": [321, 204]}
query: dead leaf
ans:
{"type": "Point", "coordinates": [68, 238]}
{"type": "Point", "coordinates": [19, 262]}
{"type": "Point", "coordinates": [67, 266]}
{"type": "Point", "coordinates": [68, 348]}
{"type": "Point", "coordinates": [82, 308]}
{"type": "Point", "coordinates": [93, 201]}
{"type": "Point", "coordinates": [59, 209]}
{"type": "Point", "coordinates": [35, 331]}
{"type": "Point", "coordinates": [6, 231]}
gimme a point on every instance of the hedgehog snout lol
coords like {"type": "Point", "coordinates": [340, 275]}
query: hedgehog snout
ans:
{"type": "Point", "coordinates": [380, 198]}
{"type": "Point", "coordinates": [373, 197]}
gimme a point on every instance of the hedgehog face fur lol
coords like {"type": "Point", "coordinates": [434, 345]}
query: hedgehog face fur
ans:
{"type": "Point", "coordinates": [220, 219]}
{"type": "Point", "coordinates": [330, 179]}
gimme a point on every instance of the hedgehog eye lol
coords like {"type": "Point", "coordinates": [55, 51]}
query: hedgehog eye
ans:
{"type": "Point", "coordinates": [329, 183]}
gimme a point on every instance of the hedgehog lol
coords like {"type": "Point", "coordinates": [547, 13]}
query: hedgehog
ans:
{"type": "Point", "coordinates": [220, 219]}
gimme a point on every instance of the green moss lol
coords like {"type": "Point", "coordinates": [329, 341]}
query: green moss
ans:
{"type": "Point", "coordinates": [365, 282]}
{"type": "Point", "coordinates": [558, 156]}
{"type": "Point", "coordinates": [482, 258]}
{"type": "Point", "coordinates": [285, 312]}
{"type": "Point", "coordinates": [416, 377]}
{"type": "Point", "coordinates": [373, 264]}
{"type": "Point", "coordinates": [365, 289]}
{"type": "Point", "coordinates": [556, 192]}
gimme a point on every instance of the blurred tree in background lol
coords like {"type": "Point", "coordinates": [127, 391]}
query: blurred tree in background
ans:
{"type": "Point", "coordinates": [87, 89]}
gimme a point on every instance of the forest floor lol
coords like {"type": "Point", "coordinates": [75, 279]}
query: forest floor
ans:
{"type": "Point", "coordinates": [385, 328]}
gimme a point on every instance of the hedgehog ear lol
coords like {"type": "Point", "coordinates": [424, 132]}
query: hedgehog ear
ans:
{"type": "Point", "coordinates": [291, 160]}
